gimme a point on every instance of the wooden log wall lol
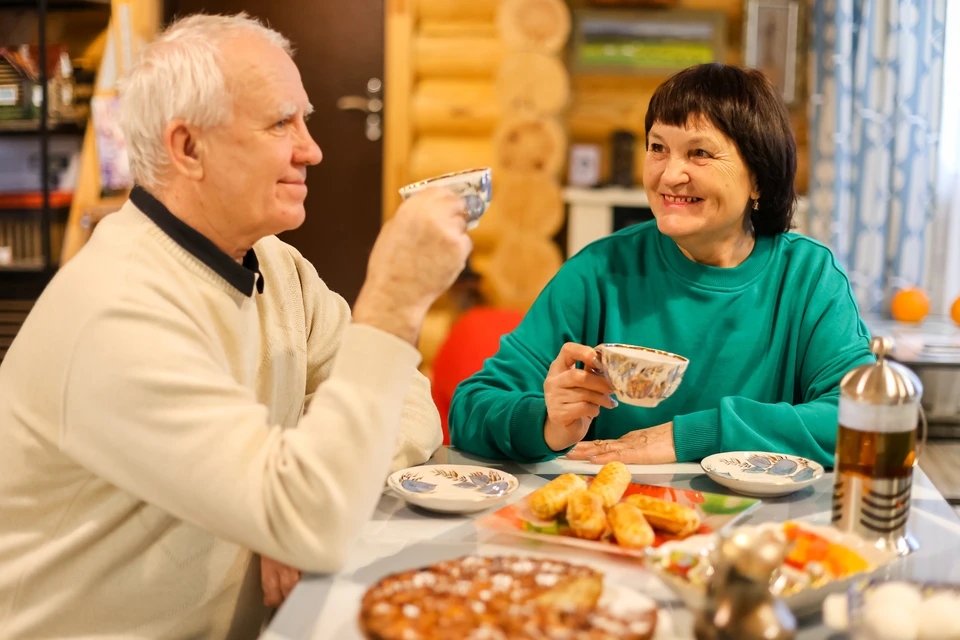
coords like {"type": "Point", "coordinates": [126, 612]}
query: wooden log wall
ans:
{"type": "Point", "coordinates": [530, 147]}
{"type": "Point", "coordinates": [483, 83]}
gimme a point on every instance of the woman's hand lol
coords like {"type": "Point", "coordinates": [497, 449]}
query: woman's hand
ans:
{"type": "Point", "coordinates": [278, 580]}
{"type": "Point", "coordinates": [574, 396]}
{"type": "Point", "coordinates": [643, 446]}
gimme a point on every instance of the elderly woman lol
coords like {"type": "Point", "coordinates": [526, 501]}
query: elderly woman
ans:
{"type": "Point", "coordinates": [766, 317]}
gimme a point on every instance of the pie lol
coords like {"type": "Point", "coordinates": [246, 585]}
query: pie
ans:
{"type": "Point", "coordinates": [498, 598]}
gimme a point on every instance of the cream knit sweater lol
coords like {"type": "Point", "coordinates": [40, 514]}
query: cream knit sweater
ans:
{"type": "Point", "coordinates": [152, 434]}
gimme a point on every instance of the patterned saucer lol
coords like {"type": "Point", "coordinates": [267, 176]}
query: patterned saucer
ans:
{"type": "Point", "coordinates": [453, 488]}
{"type": "Point", "coordinates": [761, 474]}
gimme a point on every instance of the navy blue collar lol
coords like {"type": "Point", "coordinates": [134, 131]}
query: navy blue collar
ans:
{"type": "Point", "coordinates": [243, 277]}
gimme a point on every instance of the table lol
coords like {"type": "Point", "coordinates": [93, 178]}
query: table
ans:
{"type": "Point", "coordinates": [932, 344]}
{"type": "Point", "coordinates": [400, 537]}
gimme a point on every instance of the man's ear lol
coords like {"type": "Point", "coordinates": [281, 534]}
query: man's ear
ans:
{"type": "Point", "coordinates": [184, 148]}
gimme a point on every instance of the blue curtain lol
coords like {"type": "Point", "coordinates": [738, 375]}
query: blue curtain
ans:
{"type": "Point", "coordinates": [877, 75]}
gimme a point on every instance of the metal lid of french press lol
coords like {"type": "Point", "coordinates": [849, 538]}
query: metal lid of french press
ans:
{"type": "Point", "coordinates": [883, 383]}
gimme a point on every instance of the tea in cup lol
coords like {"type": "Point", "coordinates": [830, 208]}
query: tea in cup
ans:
{"type": "Point", "coordinates": [475, 186]}
{"type": "Point", "coordinates": [641, 376]}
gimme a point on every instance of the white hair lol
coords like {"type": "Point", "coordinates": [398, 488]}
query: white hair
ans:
{"type": "Point", "coordinates": [180, 76]}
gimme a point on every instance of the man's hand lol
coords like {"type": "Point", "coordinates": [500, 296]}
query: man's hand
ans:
{"type": "Point", "coordinates": [644, 446]}
{"type": "Point", "coordinates": [278, 581]}
{"type": "Point", "coordinates": [417, 256]}
{"type": "Point", "coordinates": [573, 396]}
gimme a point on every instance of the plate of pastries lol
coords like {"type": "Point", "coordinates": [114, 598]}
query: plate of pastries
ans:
{"type": "Point", "coordinates": [613, 514]}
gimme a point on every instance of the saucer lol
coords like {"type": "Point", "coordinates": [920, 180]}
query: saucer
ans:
{"type": "Point", "coordinates": [453, 488]}
{"type": "Point", "coordinates": [761, 474]}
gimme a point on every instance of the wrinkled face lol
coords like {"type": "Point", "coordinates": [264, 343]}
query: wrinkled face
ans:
{"type": "Point", "coordinates": [697, 182]}
{"type": "Point", "coordinates": [255, 166]}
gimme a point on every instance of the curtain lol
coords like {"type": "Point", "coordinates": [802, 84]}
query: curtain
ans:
{"type": "Point", "coordinates": [877, 79]}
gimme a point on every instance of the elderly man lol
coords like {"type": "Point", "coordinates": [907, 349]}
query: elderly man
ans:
{"type": "Point", "coordinates": [153, 431]}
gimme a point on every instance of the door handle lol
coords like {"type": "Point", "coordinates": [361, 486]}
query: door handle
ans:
{"type": "Point", "coordinates": [372, 105]}
{"type": "Point", "coordinates": [359, 103]}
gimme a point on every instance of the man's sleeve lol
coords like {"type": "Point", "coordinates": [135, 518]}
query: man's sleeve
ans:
{"type": "Point", "coordinates": [150, 407]}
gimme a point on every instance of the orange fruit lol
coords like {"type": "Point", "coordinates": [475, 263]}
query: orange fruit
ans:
{"type": "Point", "coordinates": [955, 311]}
{"type": "Point", "coordinates": [910, 305]}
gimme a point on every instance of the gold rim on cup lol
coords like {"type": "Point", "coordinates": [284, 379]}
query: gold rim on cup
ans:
{"type": "Point", "coordinates": [600, 348]}
{"type": "Point", "coordinates": [452, 174]}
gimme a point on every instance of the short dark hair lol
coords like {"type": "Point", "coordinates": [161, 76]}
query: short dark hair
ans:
{"type": "Point", "coordinates": [749, 110]}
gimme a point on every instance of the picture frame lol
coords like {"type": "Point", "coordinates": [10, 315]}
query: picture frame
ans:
{"type": "Point", "coordinates": [644, 42]}
{"type": "Point", "coordinates": [584, 165]}
{"type": "Point", "coordinates": [772, 43]}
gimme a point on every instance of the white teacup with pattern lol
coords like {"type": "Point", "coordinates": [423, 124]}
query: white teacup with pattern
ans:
{"type": "Point", "coordinates": [641, 376]}
{"type": "Point", "coordinates": [475, 186]}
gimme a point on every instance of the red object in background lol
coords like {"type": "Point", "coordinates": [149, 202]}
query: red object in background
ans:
{"type": "Point", "coordinates": [34, 200]}
{"type": "Point", "coordinates": [474, 337]}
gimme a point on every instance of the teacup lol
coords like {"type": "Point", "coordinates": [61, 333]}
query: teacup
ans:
{"type": "Point", "coordinates": [475, 186]}
{"type": "Point", "coordinates": [641, 376]}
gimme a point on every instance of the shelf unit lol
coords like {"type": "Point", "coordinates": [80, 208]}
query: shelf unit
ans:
{"type": "Point", "coordinates": [26, 281]}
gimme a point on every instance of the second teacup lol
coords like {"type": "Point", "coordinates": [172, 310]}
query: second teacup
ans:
{"type": "Point", "coordinates": [641, 376]}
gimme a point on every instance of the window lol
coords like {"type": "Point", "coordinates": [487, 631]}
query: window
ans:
{"type": "Point", "coordinates": [943, 273]}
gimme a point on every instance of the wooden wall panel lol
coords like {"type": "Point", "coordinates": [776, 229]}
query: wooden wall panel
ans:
{"type": "Point", "coordinates": [454, 107]}
{"type": "Point", "coordinates": [398, 76]}
{"type": "Point", "coordinates": [457, 57]}
{"type": "Point", "coordinates": [459, 11]}
{"type": "Point", "coordinates": [435, 155]}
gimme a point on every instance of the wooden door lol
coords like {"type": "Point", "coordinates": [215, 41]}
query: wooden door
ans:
{"type": "Point", "coordinates": [339, 49]}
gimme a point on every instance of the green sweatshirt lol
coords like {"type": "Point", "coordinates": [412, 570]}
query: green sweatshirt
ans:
{"type": "Point", "coordinates": [768, 342]}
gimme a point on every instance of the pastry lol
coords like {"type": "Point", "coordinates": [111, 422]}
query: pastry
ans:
{"type": "Point", "coordinates": [585, 515]}
{"type": "Point", "coordinates": [668, 517]}
{"type": "Point", "coordinates": [629, 526]}
{"type": "Point", "coordinates": [551, 499]}
{"type": "Point", "coordinates": [611, 482]}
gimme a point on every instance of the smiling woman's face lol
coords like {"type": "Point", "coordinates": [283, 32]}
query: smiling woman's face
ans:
{"type": "Point", "coordinates": [697, 182]}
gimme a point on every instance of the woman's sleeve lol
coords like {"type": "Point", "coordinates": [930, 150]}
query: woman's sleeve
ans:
{"type": "Point", "coordinates": [500, 411]}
